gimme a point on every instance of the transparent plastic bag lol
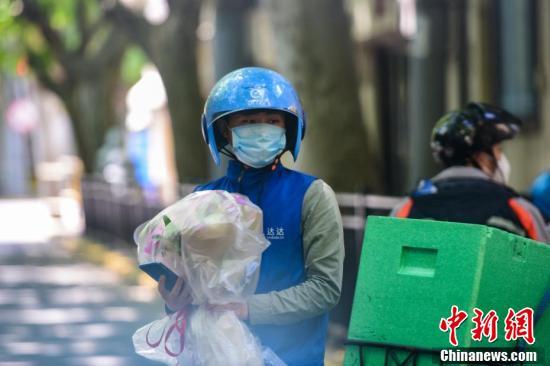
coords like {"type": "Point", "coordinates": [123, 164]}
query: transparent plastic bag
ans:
{"type": "Point", "coordinates": [162, 340]}
{"type": "Point", "coordinates": [202, 338]}
{"type": "Point", "coordinates": [208, 332]}
{"type": "Point", "coordinates": [214, 240]}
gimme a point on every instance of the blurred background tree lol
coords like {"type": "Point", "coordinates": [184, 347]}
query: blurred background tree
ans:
{"type": "Point", "coordinates": [170, 42]}
{"type": "Point", "coordinates": [74, 53]}
{"type": "Point", "coordinates": [231, 42]}
{"type": "Point", "coordinates": [374, 75]}
{"type": "Point", "coordinates": [315, 51]}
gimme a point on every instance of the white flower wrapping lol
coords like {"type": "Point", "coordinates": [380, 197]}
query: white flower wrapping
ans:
{"type": "Point", "coordinates": [214, 240]}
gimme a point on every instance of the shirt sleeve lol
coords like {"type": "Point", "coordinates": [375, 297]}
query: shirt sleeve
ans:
{"type": "Point", "coordinates": [402, 209]}
{"type": "Point", "coordinates": [323, 245]}
{"type": "Point", "coordinates": [532, 221]}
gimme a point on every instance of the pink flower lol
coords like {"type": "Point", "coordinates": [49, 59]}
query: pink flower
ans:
{"type": "Point", "coordinates": [152, 240]}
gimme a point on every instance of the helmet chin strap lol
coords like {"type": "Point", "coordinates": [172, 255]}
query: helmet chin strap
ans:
{"type": "Point", "coordinates": [228, 153]}
{"type": "Point", "coordinates": [276, 161]}
{"type": "Point", "coordinates": [503, 177]}
{"type": "Point", "coordinates": [497, 168]}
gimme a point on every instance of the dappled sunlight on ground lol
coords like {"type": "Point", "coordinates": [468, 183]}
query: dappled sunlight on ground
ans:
{"type": "Point", "coordinates": [30, 220]}
{"type": "Point", "coordinates": [63, 302]}
{"type": "Point", "coordinates": [25, 221]}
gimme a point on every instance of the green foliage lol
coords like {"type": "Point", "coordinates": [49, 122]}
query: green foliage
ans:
{"type": "Point", "coordinates": [132, 63]}
{"type": "Point", "coordinates": [70, 18]}
{"type": "Point", "coordinates": [11, 31]}
{"type": "Point", "coordinates": [62, 18]}
{"type": "Point", "coordinates": [77, 25]}
{"type": "Point", "coordinates": [20, 39]}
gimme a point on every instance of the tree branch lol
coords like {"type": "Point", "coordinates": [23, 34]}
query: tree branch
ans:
{"type": "Point", "coordinates": [89, 34]}
{"type": "Point", "coordinates": [32, 13]}
{"type": "Point", "coordinates": [111, 50]}
{"type": "Point", "coordinates": [133, 25]}
{"type": "Point", "coordinates": [82, 27]}
{"type": "Point", "coordinates": [41, 72]}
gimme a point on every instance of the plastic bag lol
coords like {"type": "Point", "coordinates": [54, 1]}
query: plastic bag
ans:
{"type": "Point", "coordinates": [197, 341]}
{"type": "Point", "coordinates": [162, 340]}
{"type": "Point", "coordinates": [208, 332]}
{"type": "Point", "coordinates": [214, 239]}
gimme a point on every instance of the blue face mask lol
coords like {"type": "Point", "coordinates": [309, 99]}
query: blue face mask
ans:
{"type": "Point", "coordinates": [258, 144]}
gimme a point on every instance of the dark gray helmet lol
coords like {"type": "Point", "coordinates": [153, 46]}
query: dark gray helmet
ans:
{"type": "Point", "coordinates": [477, 127]}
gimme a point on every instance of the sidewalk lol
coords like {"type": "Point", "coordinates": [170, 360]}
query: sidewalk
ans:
{"type": "Point", "coordinates": [58, 305]}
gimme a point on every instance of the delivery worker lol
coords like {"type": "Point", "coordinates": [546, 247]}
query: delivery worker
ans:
{"type": "Point", "coordinates": [472, 187]}
{"type": "Point", "coordinates": [253, 115]}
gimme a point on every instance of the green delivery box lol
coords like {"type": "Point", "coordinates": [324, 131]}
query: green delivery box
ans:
{"type": "Point", "coordinates": [413, 271]}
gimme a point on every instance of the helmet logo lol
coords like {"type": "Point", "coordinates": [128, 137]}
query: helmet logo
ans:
{"type": "Point", "coordinates": [257, 93]}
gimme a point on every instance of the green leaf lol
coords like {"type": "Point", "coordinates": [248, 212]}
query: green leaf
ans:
{"type": "Point", "coordinates": [132, 63]}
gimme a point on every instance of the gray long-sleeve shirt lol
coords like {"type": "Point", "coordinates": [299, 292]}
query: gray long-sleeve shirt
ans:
{"type": "Point", "coordinates": [323, 247]}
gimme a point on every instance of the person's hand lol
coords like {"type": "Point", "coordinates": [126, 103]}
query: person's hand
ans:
{"type": "Point", "coordinates": [176, 299]}
{"type": "Point", "coordinates": [239, 308]}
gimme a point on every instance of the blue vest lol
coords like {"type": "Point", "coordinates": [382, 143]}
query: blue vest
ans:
{"type": "Point", "coordinates": [280, 194]}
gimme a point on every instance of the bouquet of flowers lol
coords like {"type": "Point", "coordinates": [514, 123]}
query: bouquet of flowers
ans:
{"type": "Point", "coordinates": [214, 240]}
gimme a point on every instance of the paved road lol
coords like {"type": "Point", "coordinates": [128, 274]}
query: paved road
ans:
{"type": "Point", "coordinates": [57, 310]}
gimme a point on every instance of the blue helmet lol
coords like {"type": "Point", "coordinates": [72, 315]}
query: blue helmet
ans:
{"type": "Point", "coordinates": [247, 89]}
{"type": "Point", "coordinates": [540, 192]}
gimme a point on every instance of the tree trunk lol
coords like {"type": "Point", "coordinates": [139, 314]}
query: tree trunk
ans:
{"type": "Point", "coordinates": [172, 47]}
{"type": "Point", "coordinates": [173, 52]}
{"type": "Point", "coordinates": [87, 75]}
{"type": "Point", "coordinates": [427, 76]}
{"type": "Point", "coordinates": [90, 105]}
{"type": "Point", "coordinates": [185, 104]}
{"type": "Point", "coordinates": [231, 42]}
{"type": "Point", "coordinates": [314, 50]}
{"type": "Point", "coordinates": [231, 48]}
